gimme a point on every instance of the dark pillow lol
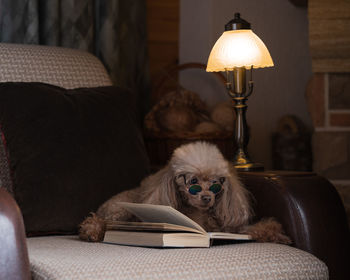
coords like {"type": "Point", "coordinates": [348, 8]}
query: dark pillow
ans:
{"type": "Point", "coordinates": [68, 151]}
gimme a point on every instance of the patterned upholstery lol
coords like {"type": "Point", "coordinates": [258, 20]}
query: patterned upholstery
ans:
{"type": "Point", "coordinates": [63, 67]}
{"type": "Point", "coordinates": [67, 68]}
{"type": "Point", "coordinates": [66, 257]}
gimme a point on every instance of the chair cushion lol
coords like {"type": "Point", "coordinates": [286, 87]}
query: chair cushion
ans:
{"type": "Point", "coordinates": [68, 151]}
{"type": "Point", "coordinates": [66, 257]}
{"type": "Point", "coordinates": [64, 67]}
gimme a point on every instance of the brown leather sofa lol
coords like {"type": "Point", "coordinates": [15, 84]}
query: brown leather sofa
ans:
{"type": "Point", "coordinates": [311, 212]}
{"type": "Point", "coordinates": [14, 262]}
{"type": "Point", "coordinates": [306, 204]}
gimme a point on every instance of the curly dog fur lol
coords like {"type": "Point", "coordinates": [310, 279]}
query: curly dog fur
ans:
{"type": "Point", "coordinates": [198, 163]}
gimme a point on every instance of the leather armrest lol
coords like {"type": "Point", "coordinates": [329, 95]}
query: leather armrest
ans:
{"type": "Point", "coordinates": [310, 210]}
{"type": "Point", "coordinates": [14, 262]}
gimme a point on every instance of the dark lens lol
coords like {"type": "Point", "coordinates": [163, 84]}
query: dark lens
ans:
{"type": "Point", "coordinates": [194, 181]}
{"type": "Point", "coordinates": [222, 180]}
{"type": "Point", "coordinates": [195, 189]}
{"type": "Point", "coordinates": [215, 188]}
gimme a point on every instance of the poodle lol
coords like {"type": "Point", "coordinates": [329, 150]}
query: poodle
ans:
{"type": "Point", "coordinates": [201, 184]}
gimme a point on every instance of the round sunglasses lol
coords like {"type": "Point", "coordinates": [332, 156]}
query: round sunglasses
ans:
{"type": "Point", "coordinates": [214, 188]}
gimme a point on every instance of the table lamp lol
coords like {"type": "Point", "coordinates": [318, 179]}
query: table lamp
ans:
{"type": "Point", "coordinates": [236, 51]}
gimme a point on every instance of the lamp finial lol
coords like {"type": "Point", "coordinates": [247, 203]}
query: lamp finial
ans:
{"type": "Point", "coordinates": [237, 23]}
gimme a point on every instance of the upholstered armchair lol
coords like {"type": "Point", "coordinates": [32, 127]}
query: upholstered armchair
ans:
{"type": "Point", "coordinates": [70, 140]}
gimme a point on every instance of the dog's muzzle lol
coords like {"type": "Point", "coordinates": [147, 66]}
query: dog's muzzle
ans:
{"type": "Point", "coordinates": [206, 198]}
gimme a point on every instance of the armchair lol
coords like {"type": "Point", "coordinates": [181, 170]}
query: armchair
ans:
{"type": "Point", "coordinates": [306, 204]}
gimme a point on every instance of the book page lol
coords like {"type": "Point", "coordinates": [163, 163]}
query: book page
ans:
{"type": "Point", "coordinates": [227, 235]}
{"type": "Point", "coordinates": [152, 213]}
{"type": "Point", "coordinates": [143, 226]}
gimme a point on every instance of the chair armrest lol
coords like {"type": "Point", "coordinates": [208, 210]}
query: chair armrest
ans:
{"type": "Point", "coordinates": [310, 210]}
{"type": "Point", "coordinates": [14, 262]}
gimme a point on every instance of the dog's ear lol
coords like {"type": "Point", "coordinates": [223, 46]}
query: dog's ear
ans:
{"type": "Point", "coordinates": [163, 189]}
{"type": "Point", "coordinates": [233, 206]}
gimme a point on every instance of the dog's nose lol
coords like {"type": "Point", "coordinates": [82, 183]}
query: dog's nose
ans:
{"type": "Point", "coordinates": [206, 198]}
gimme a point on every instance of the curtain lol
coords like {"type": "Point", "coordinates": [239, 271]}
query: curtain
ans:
{"type": "Point", "coordinates": [113, 30]}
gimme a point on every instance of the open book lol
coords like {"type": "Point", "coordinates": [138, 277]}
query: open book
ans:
{"type": "Point", "coordinates": [162, 226]}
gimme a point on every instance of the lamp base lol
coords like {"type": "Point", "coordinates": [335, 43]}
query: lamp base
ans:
{"type": "Point", "coordinates": [242, 161]}
{"type": "Point", "coordinates": [251, 166]}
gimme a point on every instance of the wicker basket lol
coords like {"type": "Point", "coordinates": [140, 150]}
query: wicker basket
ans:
{"type": "Point", "coordinates": [161, 145]}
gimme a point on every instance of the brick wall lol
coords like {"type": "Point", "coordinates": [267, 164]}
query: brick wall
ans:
{"type": "Point", "coordinates": [328, 93]}
{"type": "Point", "coordinates": [328, 98]}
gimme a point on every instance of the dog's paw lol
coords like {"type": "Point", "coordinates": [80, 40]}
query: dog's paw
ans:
{"type": "Point", "coordinates": [92, 229]}
{"type": "Point", "coordinates": [268, 230]}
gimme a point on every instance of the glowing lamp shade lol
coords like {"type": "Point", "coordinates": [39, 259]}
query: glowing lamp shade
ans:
{"type": "Point", "coordinates": [238, 48]}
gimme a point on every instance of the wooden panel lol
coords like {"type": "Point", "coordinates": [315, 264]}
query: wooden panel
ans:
{"type": "Point", "coordinates": [330, 65]}
{"type": "Point", "coordinates": [163, 35]}
{"type": "Point", "coordinates": [329, 9]}
{"type": "Point", "coordinates": [169, 9]}
{"type": "Point", "coordinates": [163, 20]}
{"type": "Point", "coordinates": [329, 35]}
{"type": "Point", "coordinates": [329, 38]}
{"type": "Point", "coordinates": [163, 51]}
{"type": "Point", "coordinates": [163, 31]}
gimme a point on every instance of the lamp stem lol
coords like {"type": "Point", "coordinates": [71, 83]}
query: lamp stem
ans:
{"type": "Point", "coordinates": [239, 80]}
{"type": "Point", "coordinates": [241, 159]}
